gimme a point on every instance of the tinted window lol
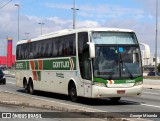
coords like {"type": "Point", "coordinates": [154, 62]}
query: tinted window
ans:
{"type": "Point", "coordinates": [83, 53]}
{"type": "Point", "coordinates": [109, 63]}
{"type": "Point", "coordinates": [53, 47]}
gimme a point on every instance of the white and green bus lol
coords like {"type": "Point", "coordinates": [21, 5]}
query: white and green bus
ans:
{"type": "Point", "coordinates": [92, 63]}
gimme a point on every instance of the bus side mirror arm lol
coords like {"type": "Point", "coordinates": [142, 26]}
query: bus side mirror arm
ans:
{"type": "Point", "coordinates": [91, 49]}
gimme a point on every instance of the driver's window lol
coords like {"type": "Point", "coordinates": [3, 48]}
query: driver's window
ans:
{"type": "Point", "coordinates": [83, 53]}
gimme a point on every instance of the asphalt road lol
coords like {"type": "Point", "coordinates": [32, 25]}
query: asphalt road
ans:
{"type": "Point", "coordinates": [147, 102]}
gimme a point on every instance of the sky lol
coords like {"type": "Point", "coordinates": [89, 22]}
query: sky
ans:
{"type": "Point", "coordinates": [138, 15]}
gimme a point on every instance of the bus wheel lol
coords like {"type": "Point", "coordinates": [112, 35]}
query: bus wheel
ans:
{"type": "Point", "coordinates": [73, 92]}
{"type": "Point", "coordinates": [26, 87]}
{"type": "Point", "coordinates": [4, 82]}
{"type": "Point", "coordinates": [115, 99]}
{"type": "Point", "coordinates": [31, 89]}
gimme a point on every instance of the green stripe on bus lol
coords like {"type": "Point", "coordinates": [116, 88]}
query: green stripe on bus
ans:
{"type": "Point", "coordinates": [75, 65]}
{"type": "Point", "coordinates": [21, 65]}
{"type": "Point", "coordinates": [51, 64]}
{"type": "Point", "coordinates": [39, 75]}
{"type": "Point", "coordinates": [101, 80]}
{"type": "Point", "coordinates": [36, 64]}
{"type": "Point", "coordinates": [139, 79]}
{"type": "Point", "coordinates": [27, 65]}
{"type": "Point", "coordinates": [59, 64]}
{"type": "Point", "coordinates": [105, 81]}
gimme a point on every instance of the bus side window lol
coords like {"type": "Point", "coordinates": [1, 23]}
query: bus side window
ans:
{"type": "Point", "coordinates": [54, 53]}
{"type": "Point", "coordinates": [72, 44]}
{"type": "Point", "coordinates": [69, 45]}
{"type": "Point", "coordinates": [57, 47]}
{"type": "Point", "coordinates": [49, 52]}
{"type": "Point", "coordinates": [66, 46]}
{"type": "Point", "coordinates": [23, 51]}
{"type": "Point", "coordinates": [42, 51]}
{"type": "Point", "coordinates": [36, 50]}
{"type": "Point", "coordinates": [46, 49]}
{"type": "Point", "coordinates": [18, 52]}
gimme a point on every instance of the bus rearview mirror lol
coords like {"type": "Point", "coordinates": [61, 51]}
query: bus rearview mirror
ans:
{"type": "Point", "coordinates": [91, 49]}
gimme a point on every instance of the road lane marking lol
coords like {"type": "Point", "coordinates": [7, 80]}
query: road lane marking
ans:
{"type": "Point", "coordinates": [11, 83]}
{"type": "Point", "coordinates": [151, 93]}
{"type": "Point", "coordinates": [151, 105]}
{"type": "Point", "coordinates": [10, 78]}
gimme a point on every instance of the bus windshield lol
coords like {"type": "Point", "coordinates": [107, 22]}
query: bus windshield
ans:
{"type": "Point", "coordinates": [117, 55]}
{"type": "Point", "coordinates": [111, 64]}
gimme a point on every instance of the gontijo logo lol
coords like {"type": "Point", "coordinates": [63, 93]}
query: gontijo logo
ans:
{"type": "Point", "coordinates": [61, 64]}
{"type": "Point", "coordinates": [64, 64]}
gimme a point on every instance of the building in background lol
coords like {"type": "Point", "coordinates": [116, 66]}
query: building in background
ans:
{"type": "Point", "coordinates": [3, 61]}
{"type": "Point", "coordinates": [9, 60]}
{"type": "Point", "coordinates": [147, 59]}
{"type": "Point", "coordinates": [9, 52]}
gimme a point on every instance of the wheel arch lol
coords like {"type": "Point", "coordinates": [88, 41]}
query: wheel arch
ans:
{"type": "Point", "coordinates": [25, 80]}
{"type": "Point", "coordinates": [71, 81]}
{"type": "Point", "coordinates": [31, 85]}
{"type": "Point", "coordinates": [30, 80]}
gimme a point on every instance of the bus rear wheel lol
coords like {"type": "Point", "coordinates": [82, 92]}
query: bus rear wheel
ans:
{"type": "Point", "coordinates": [115, 99]}
{"type": "Point", "coordinates": [73, 92]}
{"type": "Point", "coordinates": [4, 82]}
{"type": "Point", "coordinates": [26, 89]}
{"type": "Point", "coordinates": [31, 88]}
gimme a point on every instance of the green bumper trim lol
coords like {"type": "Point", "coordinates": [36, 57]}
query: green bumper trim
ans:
{"type": "Point", "coordinates": [134, 80]}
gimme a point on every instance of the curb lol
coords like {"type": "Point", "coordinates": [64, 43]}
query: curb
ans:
{"type": "Point", "coordinates": [92, 113]}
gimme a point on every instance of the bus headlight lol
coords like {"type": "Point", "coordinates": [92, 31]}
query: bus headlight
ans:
{"type": "Point", "coordinates": [138, 83]}
{"type": "Point", "coordinates": [99, 84]}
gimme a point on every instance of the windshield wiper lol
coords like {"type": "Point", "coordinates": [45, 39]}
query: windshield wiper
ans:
{"type": "Point", "coordinates": [121, 61]}
{"type": "Point", "coordinates": [122, 66]}
{"type": "Point", "coordinates": [130, 74]}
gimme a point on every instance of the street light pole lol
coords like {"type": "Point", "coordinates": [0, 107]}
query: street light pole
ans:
{"type": "Point", "coordinates": [18, 19]}
{"type": "Point", "coordinates": [74, 14]}
{"type": "Point", "coordinates": [41, 26]}
{"type": "Point", "coordinates": [155, 68]}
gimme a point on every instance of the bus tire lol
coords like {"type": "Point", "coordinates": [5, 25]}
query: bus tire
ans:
{"type": "Point", "coordinates": [4, 82]}
{"type": "Point", "coordinates": [115, 99]}
{"type": "Point", "coordinates": [73, 92]}
{"type": "Point", "coordinates": [25, 85]}
{"type": "Point", "coordinates": [31, 87]}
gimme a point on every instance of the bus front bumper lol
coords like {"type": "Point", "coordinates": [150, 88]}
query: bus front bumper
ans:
{"type": "Point", "coordinates": [101, 92]}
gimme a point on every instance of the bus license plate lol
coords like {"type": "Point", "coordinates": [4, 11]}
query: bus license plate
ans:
{"type": "Point", "coordinates": [120, 91]}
